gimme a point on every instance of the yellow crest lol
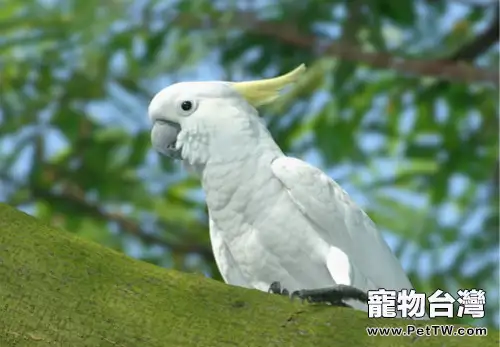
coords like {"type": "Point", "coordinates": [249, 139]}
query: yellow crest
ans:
{"type": "Point", "coordinates": [265, 91]}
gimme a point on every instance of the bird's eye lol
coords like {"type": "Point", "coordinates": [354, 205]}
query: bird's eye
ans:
{"type": "Point", "coordinates": [186, 105]}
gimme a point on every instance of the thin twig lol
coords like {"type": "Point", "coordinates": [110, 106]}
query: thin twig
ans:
{"type": "Point", "coordinates": [443, 69]}
{"type": "Point", "coordinates": [481, 42]}
{"type": "Point", "coordinates": [126, 224]}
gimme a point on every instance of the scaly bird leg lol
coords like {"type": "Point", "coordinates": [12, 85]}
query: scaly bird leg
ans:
{"type": "Point", "coordinates": [332, 295]}
{"type": "Point", "coordinates": [275, 288]}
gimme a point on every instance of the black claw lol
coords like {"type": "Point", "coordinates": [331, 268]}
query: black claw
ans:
{"type": "Point", "coordinates": [333, 295]}
{"type": "Point", "coordinates": [298, 294]}
{"type": "Point", "coordinates": [275, 288]}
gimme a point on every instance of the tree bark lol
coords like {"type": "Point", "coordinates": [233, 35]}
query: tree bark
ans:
{"type": "Point", "coordinates": [57, 289]}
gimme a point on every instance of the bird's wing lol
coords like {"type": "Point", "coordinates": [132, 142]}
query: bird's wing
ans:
{"type": "Point", "coordinates": [228, 268]}
{"type": "Point", "coordinates": [358, 255]}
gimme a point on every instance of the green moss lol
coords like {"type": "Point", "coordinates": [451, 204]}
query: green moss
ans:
{"type": "Point", "coordinates": [59, 290]}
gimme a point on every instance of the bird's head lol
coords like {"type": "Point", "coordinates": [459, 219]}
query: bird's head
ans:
{"type": "Point", "coordinates": [192, 120]}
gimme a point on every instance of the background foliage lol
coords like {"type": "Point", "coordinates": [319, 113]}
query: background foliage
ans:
{"type": "Point", "coordinates": [400, 106]}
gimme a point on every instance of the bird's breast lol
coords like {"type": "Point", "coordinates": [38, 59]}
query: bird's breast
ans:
{"type": "Point", "coordinates": [267, 235]}
{"type": "Point", "coordinates": [240, 194]}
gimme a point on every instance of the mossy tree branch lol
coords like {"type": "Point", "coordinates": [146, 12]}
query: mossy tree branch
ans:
{"type": "Point", "coordinates": [59, 290]}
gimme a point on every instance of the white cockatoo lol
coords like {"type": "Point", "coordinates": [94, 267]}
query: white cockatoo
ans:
{"type": "Point", "coordinates": [277, 223]}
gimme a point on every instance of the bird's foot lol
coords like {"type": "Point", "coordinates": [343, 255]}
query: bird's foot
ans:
{"type": "Point", "coordinates": [275, 288]}
{"type": "Point", "coordinates": [334, 295]}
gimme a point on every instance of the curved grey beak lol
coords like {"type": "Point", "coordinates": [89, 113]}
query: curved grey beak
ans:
{"type": "Point", "coordinates": [164, 138]}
